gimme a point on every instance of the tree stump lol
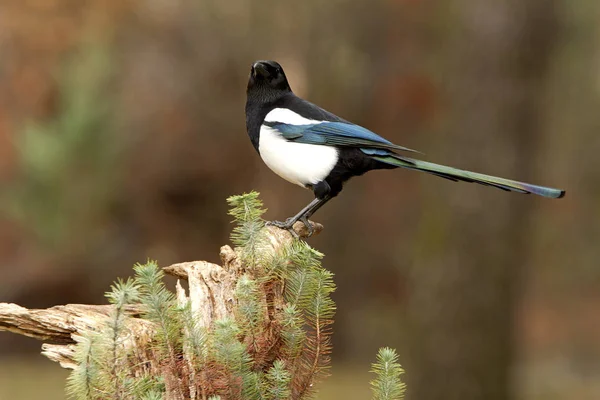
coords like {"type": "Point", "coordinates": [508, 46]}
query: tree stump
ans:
{"type": "Point", "coordinates": [210, 295]}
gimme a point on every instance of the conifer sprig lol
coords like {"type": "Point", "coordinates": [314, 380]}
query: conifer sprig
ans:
{"type": "Point", "coordinates": [152, 395]}
{"type": "Point", "coordinates": [161, 308]}
{"type": "Point", "coordinates": [81, 383]}
{"type": "Point", "coordinates": [292, 331]}
{"type": "Point", "coordinates": [279, 379]}
{"type": "Point", "coordinates": [229, 352]}
{"type": "Point", "coordinates": [248, 235]}
{"type": "Point", "coordinates": [195, 348]}
{"type": "Point", "coordinates": [196, 336]}
{"type": "Point", "coordinates": [248, 306]}
{"type": "Point", "coordinates": [254, 386]}
{"type": "Point", "coordinates": [308, 290]}
{"type": "Point", "coordinates": [121, 294]}
{"type": "Point", "coordinates": [387, 385]}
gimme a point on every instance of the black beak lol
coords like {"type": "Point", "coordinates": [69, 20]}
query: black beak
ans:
{"type": "Point", "coordinates": [259, 69]}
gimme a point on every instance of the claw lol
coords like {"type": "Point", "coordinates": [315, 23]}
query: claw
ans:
{"type": "Point", "coordinates": [278, 224]}
{"type": "Point", "coordinates": [293, 233]}
{"type": "Point", "coordinates": [308, 225]}
{"type": "Point", "coordinates": [288, 225]}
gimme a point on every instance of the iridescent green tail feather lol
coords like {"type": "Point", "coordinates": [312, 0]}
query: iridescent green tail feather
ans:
{"type": "Point", "coordinates": [455, 174]}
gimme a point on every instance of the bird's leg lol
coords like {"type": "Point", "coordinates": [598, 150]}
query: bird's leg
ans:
{"type": "Point", "coordinates": [302, 216]}
{"type": "Point", "coordinates": [289, 223]}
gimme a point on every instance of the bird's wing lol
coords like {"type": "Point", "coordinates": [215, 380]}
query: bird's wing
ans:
{"type": "Point", "coordinates": [334, 134]}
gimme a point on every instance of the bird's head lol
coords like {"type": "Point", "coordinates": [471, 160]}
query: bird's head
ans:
{"type": "Point", "coordinates": [267, 78]}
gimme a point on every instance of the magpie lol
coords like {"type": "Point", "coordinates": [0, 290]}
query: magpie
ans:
{"type": "Point", "coordinates": [313, 148]}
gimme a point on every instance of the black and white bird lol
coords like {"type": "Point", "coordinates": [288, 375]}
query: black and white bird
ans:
{"type": "Point", "coordinates": [313, 148]}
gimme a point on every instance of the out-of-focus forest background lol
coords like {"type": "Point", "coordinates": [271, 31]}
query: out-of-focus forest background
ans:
{"type": "Point", "coordinates": [122, 132]}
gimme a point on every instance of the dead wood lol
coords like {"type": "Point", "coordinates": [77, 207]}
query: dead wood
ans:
{"type": "Point", "coordinates": [210, 292]}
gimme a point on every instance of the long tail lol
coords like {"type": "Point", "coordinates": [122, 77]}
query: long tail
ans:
{"type": "Point", "coordinates": [456, 175]}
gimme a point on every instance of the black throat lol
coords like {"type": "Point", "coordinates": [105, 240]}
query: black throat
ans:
{"type": "Point", "coordinates": [259, 102]}
{"type": "Point", "coordinates": [255, 115]}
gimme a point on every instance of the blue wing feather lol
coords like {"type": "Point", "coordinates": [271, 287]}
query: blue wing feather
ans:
{"type": "Point", "coordinates": [376, 152]}
{"type": "Point", "coordinates": [334, 134]}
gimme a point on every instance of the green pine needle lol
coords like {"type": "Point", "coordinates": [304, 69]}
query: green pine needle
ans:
{"type": "Point", "coordinates": [113, 365]}
{"type": "Point", "coordinates": [292, 333]}
{"type": "Point", "coordinates": [83, 380]}
{"type": "Point", "coordinates": [302, 255]}
{"type": "Point", "coordinates": [387, 385]}
{"type": "Point", "coordinates": [162, 309]}
{"type": "Point", "coordinates": [153, 395]}
{"type": "Point", "coordinates": [248, 234]}
{"type": "Point", "coordinates": [196, 337]}
{"type": "Point", "coordinates": [278, 379]}
{"type": "Point", "coordinates": [322, 306]}
{"type": "Point", "coordinates": [246, 210]}
{"type": "Point", "coordinates": [246, 207]}
{"type": "Point", "coordinates": [149, 277]}
{"type": "Point", "coordinates": [253, 386]}
{"type": "Point", "coordinates": [123, 292]}
{"type": "Point", "coordinates": [144, 386]}
{"type": "Point", "coordinates": [310, 288]}
{"type": "Point", "coordinates": [161, 306]}
{"type": "Point", "coordinates": [248, 307]}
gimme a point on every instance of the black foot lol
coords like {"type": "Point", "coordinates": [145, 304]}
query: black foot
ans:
{"type": "Point", "coordinates": [288, 225]}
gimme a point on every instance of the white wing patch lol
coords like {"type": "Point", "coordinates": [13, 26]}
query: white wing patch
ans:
{"type": "Point", "coordinates": [287, 116]}
{"type": "Point", "coordinates": [298, 163]}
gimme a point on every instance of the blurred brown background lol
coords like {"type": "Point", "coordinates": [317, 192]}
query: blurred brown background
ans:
{"type": "Point", "coordinates": [122, 132]}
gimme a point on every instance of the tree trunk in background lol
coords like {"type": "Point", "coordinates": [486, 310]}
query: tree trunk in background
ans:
{"type": "Point", "coordinates": [470, 250]}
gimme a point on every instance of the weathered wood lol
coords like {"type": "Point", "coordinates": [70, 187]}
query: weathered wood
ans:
{"type": "Point", "coordinates": [210, 292]}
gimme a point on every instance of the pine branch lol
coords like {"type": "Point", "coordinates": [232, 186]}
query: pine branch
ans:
{"type": "Point", "coordinates": [387, 385]}
{"type": "Point", "coordinates": [80, 383]}
{"type": "Point", "coordinates": [278, 379]}
{"type": "Point", "coordinates": [248, 235]}
{"type": "Point", "coordinates": [122, 293]}
{"type": "Point", "coordinates": [161, 309]}
{"type": "Point", "coordinates": [292, 333]}
{"type": "Point", "coordinates": [309, 288]}
{"type": "Point", "coordinates": [320, 317]}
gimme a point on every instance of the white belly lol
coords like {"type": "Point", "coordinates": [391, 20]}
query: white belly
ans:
{"type": "Point", "coordinates": [298, 163]}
